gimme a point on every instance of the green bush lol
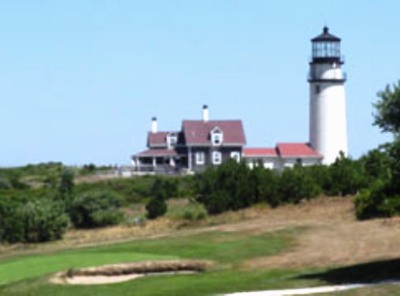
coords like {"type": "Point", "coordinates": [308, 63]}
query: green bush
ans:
{"type": "Point", "coordinates": [5, 183]}
{"type": "Point", "coordinates": [32, 221]}
{"type": "Point", "coordinates": [347, 177]}
{"type": "Point", "coordinates": [193, 211]}
{"type": "Point", "coordinates": [296, 184]}
{"type": "Point", "coordinates": [266, 185]}
{"type": "Point", "coordinates": [163, 187]}
{"type": "Point", "coordinates": [376, 164]}
{"type": "Point", "coordinates": [321, 175]}
{"type": "Point", "coordinates": [380, 200]}
{"type": "Point", "coordinates": [96, 209]}
{"type": "Point", "coordinates": [156, 207]}
{"type": "Point", "coordinates": [227, 187]}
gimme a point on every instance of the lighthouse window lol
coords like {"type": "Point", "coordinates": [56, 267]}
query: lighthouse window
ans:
{"type": "Point", "coordinates": [317, 89]}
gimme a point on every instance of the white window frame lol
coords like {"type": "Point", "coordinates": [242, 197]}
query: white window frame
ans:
{"type": "Point", "coordinates": [216, 157]}
{"type": "Point", "coordinates": [235, 155]}
{"type": "Point", "coordinates": [172, 139]}
{"type": "Point", "coordinates": [200, 157]}
{"type": "Point", "coordinates": [217, 137]}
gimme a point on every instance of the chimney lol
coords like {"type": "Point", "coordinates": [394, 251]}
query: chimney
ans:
{"type": "Point", "coordinates": [205, 113]}
{"type": "Point", "coordinates": [154, 125]}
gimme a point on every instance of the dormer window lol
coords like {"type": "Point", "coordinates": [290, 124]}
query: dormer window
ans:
{"type": "Point", "coordinates": [217, 136]}
{"type": "Point", "coordinates": [172, 139]}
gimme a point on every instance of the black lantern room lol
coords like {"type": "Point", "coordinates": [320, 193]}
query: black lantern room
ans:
{"type": "Point", "coordinates": [326, 48]}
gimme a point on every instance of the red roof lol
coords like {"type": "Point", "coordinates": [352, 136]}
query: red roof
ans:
{"type": "Point", "coordinates": [156, 153]}
{"type": "Point", "coordinates": [198, 131]}
{"type": "Point", "coordinates": [296, 150]}
{"type": "Point", "coordinates": [267, 152]}
{"type": "Point", "coordinates": [158, 139]}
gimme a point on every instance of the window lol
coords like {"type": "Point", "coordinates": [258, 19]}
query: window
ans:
{"type": "Point", "coordinates": [216, 157]}
{"type": "Point", "coordinates": [317, 89]}
{"type": "Point", "coordinates": [172, 139]}
{"type": "Point", "coordinates": [235, 155]}
{"type": "Point", "coordinates": [200, 157]}
{"type": "Point", "coordinates": [216, 136]}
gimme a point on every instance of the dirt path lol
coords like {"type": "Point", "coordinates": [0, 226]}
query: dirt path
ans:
{"type": "Point", "coordinates": [309, 291]}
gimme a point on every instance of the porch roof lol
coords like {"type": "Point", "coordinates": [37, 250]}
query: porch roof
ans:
{"type": "Point", "coordinates": [156, 153]}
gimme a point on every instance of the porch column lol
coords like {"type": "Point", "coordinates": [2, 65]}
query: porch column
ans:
{"type": "Point", "coordinates": [190, 159]}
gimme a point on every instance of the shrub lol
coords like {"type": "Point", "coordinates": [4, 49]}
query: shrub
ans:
{"type": "Point", "coordinates": [96, 209]}
{"type": "Point", "coordinates": [156, 207]}
{"type": "Point", "coordinates": [164, 188]}
{"type": "Point", "coordinates": [228, 187]}
{"type": "Point", "coordinates": [33, 221]}
{"type": "Point", "coordinates": [266, 183]}
{"type": "Point", "coordinates": [380, 200]}
{"type": "Point", "coordinates": [296, 184]}
{"type": "Point", "coordinates": [376, 165]}
{"type": "Point", "coordinates": [368, 202]}
{"type": "Point", "coordinates": [347, 177]}
{"type": "Point", "coordinates": [5, 183]}
{"type": "Point", "coordinates": [321, 175]}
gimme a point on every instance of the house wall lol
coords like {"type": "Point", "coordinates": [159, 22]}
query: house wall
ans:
{"type": "Point", "coordinates": [278, 163]}
{"type": "Point", "coordinates": [291, 162]}
{"type": "Point", "coordinates": [266, 162]}
{"type": "Point", "coordinates": [225, 151]}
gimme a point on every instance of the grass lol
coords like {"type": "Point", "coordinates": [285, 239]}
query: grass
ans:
{"type": "Point", "coordinates": [235, 251]}
{"type": "Point", "coordinates": [28, 275]}
{"type": "Point", "coordinates": [33, 266]}
{"type": "Point", "coordinates": [209, 283]}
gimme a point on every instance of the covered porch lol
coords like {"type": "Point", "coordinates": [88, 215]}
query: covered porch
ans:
{"type": "Point", "coordinates": [158, 161]}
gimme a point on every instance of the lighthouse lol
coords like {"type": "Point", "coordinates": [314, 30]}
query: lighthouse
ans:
{"type": "Point", "coordinates": [328, 128]}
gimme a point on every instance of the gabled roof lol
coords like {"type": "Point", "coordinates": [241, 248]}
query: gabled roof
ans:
{"type": "Point", "coordinates": [158, 139]}
{"type": "Point", "coordinates": [260, 152]}
{"type": "Point", "coordinates": [197, 132]}
{"type": "Point", "coordinates": [156, 153]}
{"type": "Point", "coordinates": [296, 150]}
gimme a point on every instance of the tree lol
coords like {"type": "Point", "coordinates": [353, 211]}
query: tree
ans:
{"type": "Point", "coordinates": [387, 115]}
{"type": "Point", "coordinates": [383, 196]}
{"type": "Point", "coordinates": [376, 164]}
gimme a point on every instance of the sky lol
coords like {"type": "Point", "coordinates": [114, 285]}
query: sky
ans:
{"type": "Point", "coordinates": [81, 80]}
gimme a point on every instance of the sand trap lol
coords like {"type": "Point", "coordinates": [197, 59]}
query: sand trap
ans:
{"type": "Point", "coordinates": [93, 280]}
{"type": "Point", "coordinates": [117, 273]}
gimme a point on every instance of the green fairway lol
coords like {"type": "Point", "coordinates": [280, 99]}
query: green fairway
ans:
{"type": "Point", "coordinates": [28, 275]}
{"type": "Point", "coordinates": [33, 266]}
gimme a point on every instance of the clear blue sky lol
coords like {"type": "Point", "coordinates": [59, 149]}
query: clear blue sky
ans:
{"type": "Point", "coordinates": [80, 80]}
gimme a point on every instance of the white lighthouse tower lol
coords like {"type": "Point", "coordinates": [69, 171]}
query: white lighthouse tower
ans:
{"type": "Point", "coordinates": [328, 131]}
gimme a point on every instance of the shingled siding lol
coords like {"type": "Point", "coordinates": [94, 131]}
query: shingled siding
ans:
{"type": "Point", "coordinates": [225, 152]}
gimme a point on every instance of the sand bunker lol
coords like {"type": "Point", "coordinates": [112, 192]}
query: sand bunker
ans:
{"type": "Point", "coordinates": [117, 273]}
